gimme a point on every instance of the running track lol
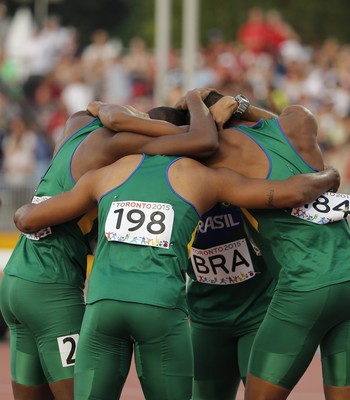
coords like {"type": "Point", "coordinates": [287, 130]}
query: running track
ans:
{"type": "Point", "coordinates": [309, 388]}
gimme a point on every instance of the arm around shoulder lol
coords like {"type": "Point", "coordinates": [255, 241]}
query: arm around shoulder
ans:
{"type": "Point", "coordinates": [60, 208]}
{"type": "Point", "coordinates": [270, 194]}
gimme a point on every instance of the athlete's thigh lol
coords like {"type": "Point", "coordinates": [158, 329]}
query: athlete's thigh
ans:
{"type": "Point", "coordinates": [335, 346]}
{"type": "Point", "coordinates": [244, 346]}
{"type": "Point", "coordinates": [24, 356]}
{"type": "Point", "coordinates": [46, 320]}
{"type": "Point", "coordinates": [335, 356]}
{"type": "Point", "coordinates": [216, 372]}
{"type": "Point", "coordinates": [104, 351]}
{"type": "Point", "coordinates": [25, 363]}
{"type": "Point", "coordinates": [57, 329]}
{"type": "Point", "coordinates": [163, 352]}
{"type": "Point", "coordinates": [288, 337]}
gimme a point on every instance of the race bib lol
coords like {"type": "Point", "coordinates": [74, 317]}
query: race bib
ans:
{"type": "Point", "coordinates": [327, 208]}
{"type": "Point", "coordinates": [67, 346]}
{"type": "Point", "coordinates": [43, 232]}
{"type": "Point", "coordinates": [141, 223]}
{"type": "Point", "coordinates": [226, 264]}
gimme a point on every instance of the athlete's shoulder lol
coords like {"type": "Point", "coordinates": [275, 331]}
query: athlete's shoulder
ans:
{"type": "Point", "coordinates": [297, 115]}
{"type": "Point", "coordinates": [77, 121]}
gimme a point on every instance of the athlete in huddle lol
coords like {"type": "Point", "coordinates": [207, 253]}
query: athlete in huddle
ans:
{"type": "Point", "coordinates": [42, 296]}
{"type": "Point", "coordinates": [306, 248]}
{"type": "Point", "coordinates": [229, 290]}
{"type": "Point", "coordinates": [136, 294]}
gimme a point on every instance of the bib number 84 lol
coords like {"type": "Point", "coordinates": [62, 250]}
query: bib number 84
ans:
{"type": "Point", "coordinates": [329, 207]}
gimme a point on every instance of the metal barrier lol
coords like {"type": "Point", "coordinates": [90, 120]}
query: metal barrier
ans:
{"type": "Point", "coordinates": [11, 199]}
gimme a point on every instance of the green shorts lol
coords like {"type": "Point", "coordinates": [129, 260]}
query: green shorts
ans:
{"type": "Point", "coordinates": [297, 323]}
{"type": "Point", "coordinates": [160, 339]}
{"type": "Point", "coordinates": [44, 322]}
{"type": "Point", "coordinates": [220, 361]}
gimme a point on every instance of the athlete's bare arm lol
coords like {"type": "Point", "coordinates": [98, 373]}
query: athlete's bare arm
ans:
{"type": "Point", "coordinates": [209, 186]}
{"type": "Point", "coordinates": [83, 197]}
{"type": "Point", "coordinates": [197, 140]}
{"type": "Point", "coordinates": [104, 146]}
{"type": "Point", "coordinates": [261, 193]}
{"type": "Point", "coordinates": [201, 138]}
{"type": "Point", "coordinates": [128, 119]}
{"type": "Point", "coordinates": [58, 209]}
{"type": "Point", "coordinates": [223, 109]}
{"type": "Point", "coordinates": [254, 114]}
{"type": "Point", "coordinates": [200, 185]}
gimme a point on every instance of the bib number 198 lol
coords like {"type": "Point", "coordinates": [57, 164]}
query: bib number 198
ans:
{"type": "Point", "coordinates": [137, 218]}
{"type": "Point", "coordinates": [141, 223]}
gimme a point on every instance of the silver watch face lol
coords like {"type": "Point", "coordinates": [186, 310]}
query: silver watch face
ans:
{"type": "Point", "coordinates": [243, 104]}
{"type": "Point", "coordinates": [240, 98]}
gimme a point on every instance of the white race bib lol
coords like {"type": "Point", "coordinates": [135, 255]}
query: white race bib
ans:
{"type": "Point", "coordinates": [225, 264]}
{"type": "Point", "coordinates": [141, 223]}
{"type": "Point", "coordinates": [68, 346]}
{"type": "Point", "coordinates": [44, 231]}
{"type": "Point", "coordinates": [327, 208]}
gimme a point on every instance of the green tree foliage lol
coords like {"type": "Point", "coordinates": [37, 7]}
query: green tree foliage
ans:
{"type": "Point", "coordinates": [314, 20]}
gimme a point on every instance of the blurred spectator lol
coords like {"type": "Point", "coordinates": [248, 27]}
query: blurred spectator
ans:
{"type": "Point", "coordinates": [9, 73]}
{"type": "Point", "coordinates": [18, 37]}
{"type": "Point", "coordinates": [56, 122]}
{"type": "Point", "coordinates": [96, 57]}
{"type": "Point", "coordinates": [58, 38]}
{"type": "Point", "coordinates": [40, 109]}
{"type": "Point", "coordinates": [279, 30]}
{"type": "Point", "coordinates": [138, 62]}
{"type": "Point", "coordinates": [77, 93]}
{"type": "Point", "coordinates": [116, 83]}
{"type": "Point", "coordinates": [38, 56]}
{"type": "Point", "coordinates": [223, 57]}
{"type": "Point", "coordinates": [253, 34]}
{"type": "Point", "coordinates": [4, 24]}
{"type": "Point", "coordinates": [48, 75]}
{"type": "Point", "coordinates": [19, 153]}
{"type": "Point", "coordinates": [8, 109]}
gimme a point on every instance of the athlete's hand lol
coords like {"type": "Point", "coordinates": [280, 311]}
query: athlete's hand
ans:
{"type": "Point", "coordinates": [94, 107]}
{"type": "Point", "coordinates": [336, 177]}
{"type": "Point", "coordinates": [203, 93]}
{"type": "Point", "coordinates": [223, 109]}
{"type": "Point", "coordinates": [133, 111]}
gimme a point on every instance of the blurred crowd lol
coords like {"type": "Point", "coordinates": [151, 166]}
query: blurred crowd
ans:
{"type": "Point", "coordinates": [46, 75]}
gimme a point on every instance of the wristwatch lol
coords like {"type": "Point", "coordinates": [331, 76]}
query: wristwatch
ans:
{"type": "Point", "coordinates": [243, 104]}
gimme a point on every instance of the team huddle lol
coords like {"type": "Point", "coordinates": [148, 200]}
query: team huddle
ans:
{"type": "Point", "coordinates": [220, 250]}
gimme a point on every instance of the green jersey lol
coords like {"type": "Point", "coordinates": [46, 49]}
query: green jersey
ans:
{"type": "Point", "coordinates": [145, 230]}
{"type": "Point", "coordinates": [306, 255]}
{"type": "Point", "coordinates": [230, 285]}
{"type": "Point", "coordinates": [57, 254]}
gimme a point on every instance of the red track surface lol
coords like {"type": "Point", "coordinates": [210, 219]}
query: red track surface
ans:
{"type": "Point", "coordinates": [309, 388]}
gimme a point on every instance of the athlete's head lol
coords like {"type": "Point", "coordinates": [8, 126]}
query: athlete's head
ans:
{"type": "Point", "coordinates": [170, 114]}
{"type": "Point", "coordinates": [212, 98]}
